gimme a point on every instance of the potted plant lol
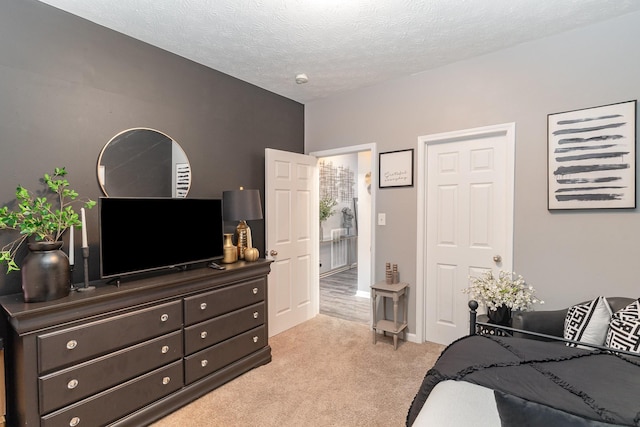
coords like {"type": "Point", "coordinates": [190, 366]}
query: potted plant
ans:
{"type": "Point", "coordinates": [46, 275]}
{"type": "Point", "coordinates": [326, 209]}
{"type": "Point", "coordinates": [502, 294]}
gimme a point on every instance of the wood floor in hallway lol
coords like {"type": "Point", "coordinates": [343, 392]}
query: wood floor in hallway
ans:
{"type": "Point", "coordinates": [338, 297]}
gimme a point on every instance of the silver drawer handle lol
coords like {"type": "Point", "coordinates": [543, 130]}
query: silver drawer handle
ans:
{"type": "Point", "coordinates": [255, 291]}
{"type": "Point", "coordinates": [203, 306]}
{"type": "Point", "coordinates": [165, 349]}
{"type": "Point", "coordinates": [164, 317]}
{"type": "Point", "coordinates": [255, 314]}
{"type": "Point", "coordinates": [255, 339]}
{"type": "Point", "coordinates": [166, 380]}
{"type": "Point", "coordinates": [203, 334]}
{"type": "Point", "coordinates": [72, 384]}
{"type": "Point", "coordinates": [74, 421]}
{"type": "Point", "coordinates": [204, 363]}
{"type": "Point", "coordinates": [72, 344]}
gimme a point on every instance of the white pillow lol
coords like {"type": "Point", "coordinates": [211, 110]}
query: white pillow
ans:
{"type": "Point", "coordinates": [624, 330]}
{"type": "Point", "coordinates": [588, 322]}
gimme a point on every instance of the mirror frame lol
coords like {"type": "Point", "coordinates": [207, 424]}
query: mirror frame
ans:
{"type": "Point", "coordinates": [181, 178]}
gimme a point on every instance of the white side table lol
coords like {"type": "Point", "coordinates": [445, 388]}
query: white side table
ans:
{"type": "Point", "coordinates": [396, 292]}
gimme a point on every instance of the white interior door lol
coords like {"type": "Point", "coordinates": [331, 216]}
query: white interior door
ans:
{"type": "Point", "coordinates": [291, 193]}
{"type": "Point", "coordinates": [469, 220]}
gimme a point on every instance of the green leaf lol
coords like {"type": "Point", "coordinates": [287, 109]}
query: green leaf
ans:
{"type": "Point", "coordinates": [70, 194]}
{"type": "Point", "coordinates": [22, 193]}
{"type": "Point", "coordinates": [12, 266]}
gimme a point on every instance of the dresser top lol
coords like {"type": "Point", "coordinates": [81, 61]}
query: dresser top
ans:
{"type": "Point", "coordinates": [26, 317]}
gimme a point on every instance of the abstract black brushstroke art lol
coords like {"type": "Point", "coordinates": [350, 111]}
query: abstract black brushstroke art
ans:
{"type": "Point", "coordinates": [592, 158]}
{"type": "Point", "coordinates": [183, 179]}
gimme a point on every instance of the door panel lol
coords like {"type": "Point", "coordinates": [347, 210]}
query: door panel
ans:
{"type": "Point", "coordinates": [445, 293]}
{"type": "Point", "coordinates": [291, 197]}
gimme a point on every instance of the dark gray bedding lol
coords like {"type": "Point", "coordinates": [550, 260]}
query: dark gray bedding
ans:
{"type": "Point", "coordinates": [545, 383]}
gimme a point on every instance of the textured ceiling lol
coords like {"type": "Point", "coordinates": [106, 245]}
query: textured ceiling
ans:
{"type": "Point", "coordinates": [340, 44]}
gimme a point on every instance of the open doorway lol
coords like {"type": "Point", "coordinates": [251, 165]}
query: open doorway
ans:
{"type": "Point", "coordinates": [346, 232]}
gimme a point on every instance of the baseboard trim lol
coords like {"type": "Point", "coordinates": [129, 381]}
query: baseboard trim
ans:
{"type": "Point", "coordinates": [336, 270]}
{"type": "Point", "coordinates": [413, 338]}
{"type": "Point", "coordinates": [363, 294]}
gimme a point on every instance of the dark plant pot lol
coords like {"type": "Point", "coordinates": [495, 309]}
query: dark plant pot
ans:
{"type": "Point", "coordinates": [45, 272]}
{"type": "Point", "coordinates": [501, 316]}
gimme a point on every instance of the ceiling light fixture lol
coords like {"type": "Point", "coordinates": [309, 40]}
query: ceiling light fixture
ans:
{"type": "Point", "coordinates": [301, 78]}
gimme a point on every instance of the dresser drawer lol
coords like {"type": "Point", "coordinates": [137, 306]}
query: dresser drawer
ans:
{"type": "Point", "coordinates": [213, 331]}
{"type": "Point", "coordinates": [73, 345]}
{"type": "Point", "coordinates": [72, 384]}
{"type": "Point", "coordinates": [210, 304]}
{"type": "Point", "coordinates": [213, 358]}
{"type": "Point", "coordinates": [115, 403]}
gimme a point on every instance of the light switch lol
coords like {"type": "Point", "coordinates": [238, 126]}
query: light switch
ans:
{"type": "Point", "coordinates": [382, 219]}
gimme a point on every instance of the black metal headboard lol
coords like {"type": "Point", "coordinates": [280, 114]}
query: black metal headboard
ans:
{"type": "Point", "coordinates": [473, 328]}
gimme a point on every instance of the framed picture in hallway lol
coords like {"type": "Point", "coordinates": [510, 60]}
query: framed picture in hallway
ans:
{"type": "Point", "coordinates": [396, 169]}
{"type": "Point", "coordinates": [592, 158]}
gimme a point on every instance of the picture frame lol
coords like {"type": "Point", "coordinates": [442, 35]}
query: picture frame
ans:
{"type": "Point", "coordinates": [592, 158]}
{"type": "Point", "coordinates": [395, 169]}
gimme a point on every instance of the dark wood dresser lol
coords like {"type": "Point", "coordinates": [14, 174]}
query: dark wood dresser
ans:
{"type": "Point", "coordinates": [129, 355]}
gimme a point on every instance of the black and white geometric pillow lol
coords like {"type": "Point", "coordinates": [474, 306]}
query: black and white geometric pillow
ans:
{"type": "Point", "coordinates": [624, 329]}
{"type": "Point", "coordinates": [588, 322]}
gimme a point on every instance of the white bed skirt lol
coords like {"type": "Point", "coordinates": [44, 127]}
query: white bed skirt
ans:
{"type": "Point", "coordinates": [459, 403]}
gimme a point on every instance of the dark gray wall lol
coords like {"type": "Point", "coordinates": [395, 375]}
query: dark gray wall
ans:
{"type": "Point", "coordinates": [67, 86]}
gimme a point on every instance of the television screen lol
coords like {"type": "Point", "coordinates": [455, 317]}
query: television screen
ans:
{"type": "Point", "coordinates": [144, 234]}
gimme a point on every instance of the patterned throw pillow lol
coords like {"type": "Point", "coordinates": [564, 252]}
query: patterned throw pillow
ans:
{"type": "Point", "coordinates": [588, 322]}
{"type": "Point", "coordinates": [624, 329]}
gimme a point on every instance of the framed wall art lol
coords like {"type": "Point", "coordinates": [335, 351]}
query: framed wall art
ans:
{"type": "Point", "coordinates": [592, 158]}
{"type": "Point", "coordinates": [396, 169]}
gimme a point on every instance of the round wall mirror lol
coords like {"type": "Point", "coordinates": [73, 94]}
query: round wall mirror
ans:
{"type": "Point", "coordinates": [143, 162]}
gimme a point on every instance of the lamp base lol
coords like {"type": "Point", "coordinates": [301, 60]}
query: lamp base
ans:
{"type": "Point", "coordinates": [243, 238]}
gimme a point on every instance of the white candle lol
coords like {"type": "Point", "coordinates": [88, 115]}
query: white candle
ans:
{"type": "Point", "coordinates": [71, 249]}
{"type": "Point", "coordinates": [84, 229]}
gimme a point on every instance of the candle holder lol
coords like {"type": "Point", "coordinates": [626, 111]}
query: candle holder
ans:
{"type": "Point", "coordinates": [71, 285]}
{"type": "Point", "coordinates": [85, 257]}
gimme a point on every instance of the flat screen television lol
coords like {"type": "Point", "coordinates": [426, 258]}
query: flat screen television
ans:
{"type": "Point", "coordinates": [144, 234]}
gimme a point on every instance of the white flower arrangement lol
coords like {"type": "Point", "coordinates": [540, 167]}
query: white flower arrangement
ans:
{"type": "Point", "coordinates": [508, 289]}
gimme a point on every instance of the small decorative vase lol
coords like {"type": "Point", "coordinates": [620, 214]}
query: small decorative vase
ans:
{"type": "Point", "coordinates": [229, 250]}
{"type": "Point", "coordinates": [45, 272]}
{"type": "Point", "coordinates": [500, 316]}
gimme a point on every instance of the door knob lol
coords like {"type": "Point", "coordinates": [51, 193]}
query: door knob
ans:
{"type": "Point", "coordinates": [497, 258]}
{"type": "Point", "coordinates": [273, 253]}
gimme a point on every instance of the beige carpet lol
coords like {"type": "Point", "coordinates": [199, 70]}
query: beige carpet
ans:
{"type": "Point", "coordinates": [325, 372]}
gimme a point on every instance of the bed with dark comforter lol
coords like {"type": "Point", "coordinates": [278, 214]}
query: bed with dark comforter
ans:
{"type": "Point", "coordinates": [534, 383]}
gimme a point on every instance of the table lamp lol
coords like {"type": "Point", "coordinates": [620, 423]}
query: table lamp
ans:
{"type": "Point", "coordinates": [242, 205]}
